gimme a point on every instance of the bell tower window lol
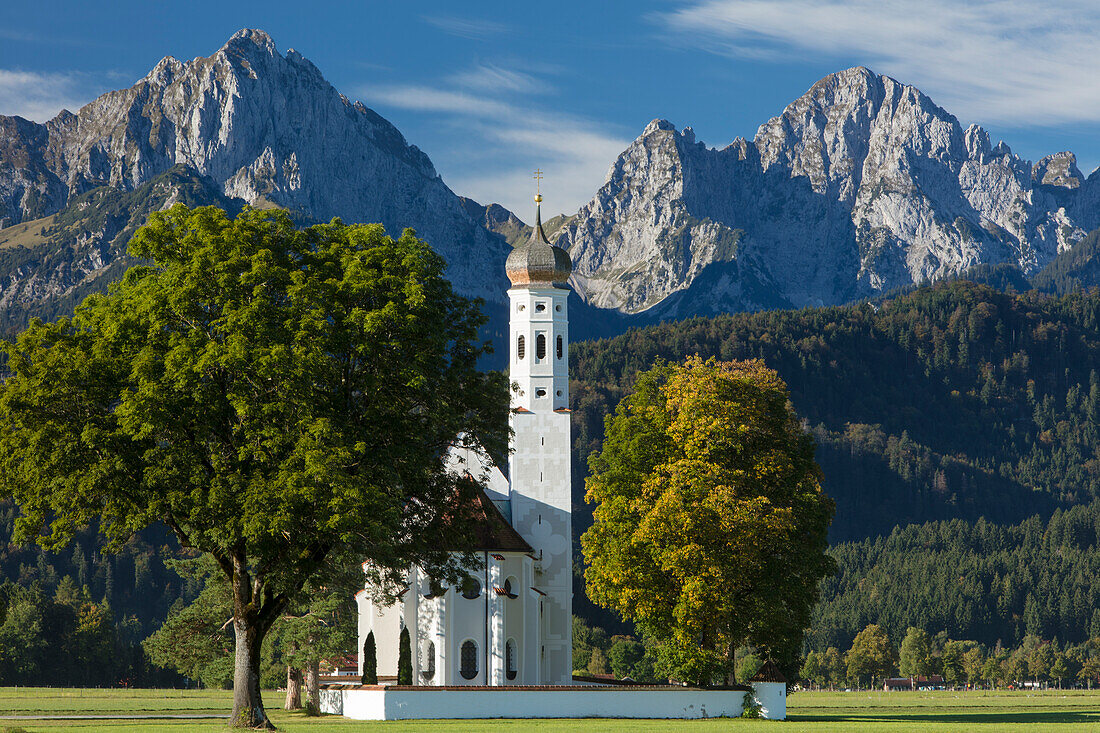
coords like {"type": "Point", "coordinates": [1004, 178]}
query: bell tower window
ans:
{"type": "Point", "coordinates": [540, 346]}
{"type": "Point", "coordinates": [559, 346]}
{"type": "Point", "coordinates": [520, 346]}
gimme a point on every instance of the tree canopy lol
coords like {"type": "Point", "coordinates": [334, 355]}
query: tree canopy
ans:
{"type": "Point", "coordinates": [710, 523]}
{"type": "Point", "coordinates": [282, 399]}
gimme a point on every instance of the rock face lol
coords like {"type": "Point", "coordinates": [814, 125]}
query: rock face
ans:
{"type": "Point", "coordinates": [265, 129]}
{"type": "Point", "coordinates": [862, 185]}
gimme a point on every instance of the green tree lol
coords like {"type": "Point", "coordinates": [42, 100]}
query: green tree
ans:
{"type": "Point", "coordinates": [813, 669]}
{"type": "Point", "coordinates": [748, 666]}
{"type": "Point", "coordinates": [953, 671]}
{"type": "Point", "coordinates": [370, 660]}
{"type": "Point", "coordinates": [195, 639]}
{"type": "Point", "coordinates": [311, 631]}
{"type": "Point", "coordinates": [404, 659]}
{"type": "Point", "coordinates": [710, 523]}
{"type": "Point", "coordinates": [628, 658]}
{"type": "Point", "coordinates": [597, 663]}
{"type": "Point", "coordinates": [835, 669]}
{"type": "Point", "coordinates": [281, 399]}
{"type": "Point", "coordinates": [871, 656]}
{"type": "Point", "coordinates": [915, 659]}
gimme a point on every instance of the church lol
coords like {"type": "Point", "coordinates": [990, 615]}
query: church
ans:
{"type": "Point", "coordinates": [510, 622]}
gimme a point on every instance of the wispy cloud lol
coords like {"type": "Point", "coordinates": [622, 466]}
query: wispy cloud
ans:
{"type": "Point", "coordinates": [493, 78]}
{"type": "Point", "coordinates": [39, 97]}
{"type": "Point", "coordinates": [471, 28]}
{"type": "Point", "coordinates": [1010, 61]}
{"type": "Point", "coordinates": [500, 136]}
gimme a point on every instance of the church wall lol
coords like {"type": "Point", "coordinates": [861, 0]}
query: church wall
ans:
{"type": "Point", "coordinates": [385, 622]}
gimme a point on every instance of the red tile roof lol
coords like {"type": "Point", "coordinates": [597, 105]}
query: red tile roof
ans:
{"type": "Point", "coordinates": [487, 527]}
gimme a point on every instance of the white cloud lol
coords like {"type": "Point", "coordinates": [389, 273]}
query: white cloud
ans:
{"type": "Point", "coordinates": [1009, 61]}
{"type": "Point", "coordinates": [490, 77]}
{"type": "Point", "coordinates": [430, 99]}
{"type": "Point", "coordinates": [39, 97]}
{"type": "Point", "coordinates": [497, 143]}
{"type": "Point", "coordinates": [465, 27]}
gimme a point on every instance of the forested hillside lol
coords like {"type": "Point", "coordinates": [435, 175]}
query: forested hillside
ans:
{"type": "Point", "coordinates": [78, 617]}
{"type": "Point", "coordinates": [951, 401]}
{"type": "Point", "coordinates": [970, 580]}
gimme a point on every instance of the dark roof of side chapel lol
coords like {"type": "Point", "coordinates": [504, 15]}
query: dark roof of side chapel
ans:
{"type": "Point", "coordinates": [490, 530]}
{"type": "Point", "coordinates": [537, 262]}
{"type": "Point", "coordinates": [768, 673]}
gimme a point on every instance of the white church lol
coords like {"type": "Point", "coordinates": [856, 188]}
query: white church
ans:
{"type": "Point", "coordinates": [511, 622]}
{"type": "Point", "coordinates": [500, 645]}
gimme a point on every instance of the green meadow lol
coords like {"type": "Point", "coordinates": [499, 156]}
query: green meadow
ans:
{"type": "Point", "coordinates": [1049, 710]}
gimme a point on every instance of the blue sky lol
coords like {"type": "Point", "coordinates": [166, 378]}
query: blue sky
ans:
{"type": "Point", "coordinates": [492, 90]}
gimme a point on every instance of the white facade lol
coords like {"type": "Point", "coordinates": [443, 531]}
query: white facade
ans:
{"type": "Point", "coordinates": [516, 629]}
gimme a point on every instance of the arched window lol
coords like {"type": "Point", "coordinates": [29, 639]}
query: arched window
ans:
{"type": "Point", "coordinates": [427, 668]}
{"type": "Point", "coordinates": [520, 347]}
{"type": "Point", "coordinates": [471, 588]}
{"type": "Point", "coordinates": [468, 660]}
{"type": "Point", "coordinates": [540, 346]}
{"type": "Point", "coordinates": [511, 664]}
{"type": "Point", "coordinates": [510, 587]}
{"type": "Point", "coordinates": [559, 347]}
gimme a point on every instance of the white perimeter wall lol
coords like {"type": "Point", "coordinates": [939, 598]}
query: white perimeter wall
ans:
{"type": "Point", "coordinates": [427, 703]}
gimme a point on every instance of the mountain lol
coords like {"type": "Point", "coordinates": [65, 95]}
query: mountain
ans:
{"type": "Point", "coordinates": [860, 186]}
{"type": "Point", "coordinates": [247, 125]}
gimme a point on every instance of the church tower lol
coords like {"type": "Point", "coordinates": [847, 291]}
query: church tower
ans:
{"type": "Point", "coordinates": [539, 467]}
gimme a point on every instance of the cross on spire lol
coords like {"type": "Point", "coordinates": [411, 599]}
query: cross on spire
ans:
{"type": "Point", "coordinates": [538, 186]}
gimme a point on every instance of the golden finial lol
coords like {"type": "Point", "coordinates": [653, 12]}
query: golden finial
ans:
{"type": "Point", "coordinates": [538, 186]}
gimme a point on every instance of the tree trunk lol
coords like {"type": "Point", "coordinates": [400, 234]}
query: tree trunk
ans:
{"type": "Point", "coordinates": [313, 690]}
{"type": "Point", "coordinates": [293, 688]}
{"type": "Point", "coordinates": [248, 706]}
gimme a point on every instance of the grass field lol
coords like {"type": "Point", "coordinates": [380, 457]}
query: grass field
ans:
{"type": "Point", "coordinates": [815, 712]}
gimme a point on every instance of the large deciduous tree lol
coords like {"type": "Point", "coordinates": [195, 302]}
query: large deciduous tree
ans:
{"type": "Point", "coordinates": [710, 523]}
{"type": "Point", "coordinates": [282, 399]}
{"type": "Point", "coordinates": [871, 657]}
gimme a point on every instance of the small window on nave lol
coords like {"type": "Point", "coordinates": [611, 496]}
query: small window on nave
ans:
{"type": "Point", "coordinates": [511, 664]}
{"type": "Point", "coordinates": [468, 660]}
{"type": "Point", "coordinates": [427, 668]}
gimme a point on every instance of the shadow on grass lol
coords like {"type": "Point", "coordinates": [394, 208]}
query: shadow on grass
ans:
{"type": "Point", "coordinates": [1064, 717]}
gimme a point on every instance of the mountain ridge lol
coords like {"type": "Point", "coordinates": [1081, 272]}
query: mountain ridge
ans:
{"type": "Point", "coordinates": [264, 129]}
{"type": "Point", "coordinates": [861, 185]}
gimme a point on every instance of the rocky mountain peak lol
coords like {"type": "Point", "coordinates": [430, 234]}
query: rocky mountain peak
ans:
{"type": "Point", "coordinates": [1058, 169]}
{"type": "Point", "coordinates": [262, 128]}
{"type": "Point", "coordinates": [860, 185]}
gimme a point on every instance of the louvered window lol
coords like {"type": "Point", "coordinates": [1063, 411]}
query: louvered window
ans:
{"type": "Point", "coordinates": [520, 347]}
{"type": "Point", "coordinates": [540, 346]}
{"type": "Point", "coordinates": [560, 350]}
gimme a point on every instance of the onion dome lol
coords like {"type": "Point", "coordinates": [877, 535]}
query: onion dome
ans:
{"type": "Point", "coordinates": [537, 262]}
